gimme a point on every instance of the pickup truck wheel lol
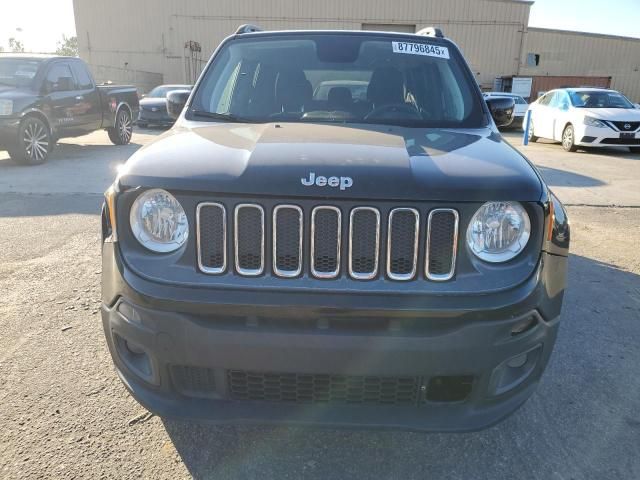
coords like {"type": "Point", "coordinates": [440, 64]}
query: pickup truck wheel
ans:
{"type": "Point", "coordinates": [568, 139]}
{"type": "Point", "coordinates": [34, 142]}
{"type": "Point", "coordinates": [121, 133]}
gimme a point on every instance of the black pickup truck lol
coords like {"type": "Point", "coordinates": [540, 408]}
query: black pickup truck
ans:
{"type": "Point", "coordinates": [44, 98]}
{"type": "Point", "coordinates": [376, 259]}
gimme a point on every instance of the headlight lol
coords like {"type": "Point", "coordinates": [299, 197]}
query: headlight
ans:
{"type": "Point", "coordinates": [158, 221]}
{"type": "Point", "coordinates": [594, 122]}
{"type": "Point", "coordinates": [498, 231]}
{"type": "Point", "coordinates": [6, 107]}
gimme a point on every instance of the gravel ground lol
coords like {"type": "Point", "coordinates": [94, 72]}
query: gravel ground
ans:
{"type": "Point", "coordinates": [64, 413]}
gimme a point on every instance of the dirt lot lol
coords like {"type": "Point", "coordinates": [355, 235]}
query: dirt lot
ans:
{"type": "Point", "coordinates": [64, 414]}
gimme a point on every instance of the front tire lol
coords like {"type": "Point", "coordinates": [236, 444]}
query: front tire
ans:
{"type": "Point", "coordinates": [121, 133]}
{"type": "Point", "coordinates": [532, 137]}
{"type": "Point", "coordinates": [34, 142]}
{"type": "Point", "coordinates": [568, 139]}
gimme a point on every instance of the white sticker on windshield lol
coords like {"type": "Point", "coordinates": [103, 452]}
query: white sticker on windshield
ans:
{"type": "Point", "coordinates": [421, 49]}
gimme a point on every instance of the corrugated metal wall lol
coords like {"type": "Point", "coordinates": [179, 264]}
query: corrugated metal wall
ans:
{"type": "Point", "coordinates": [578, 54]}
{"type": "Point", "coordinates": [149, 35]}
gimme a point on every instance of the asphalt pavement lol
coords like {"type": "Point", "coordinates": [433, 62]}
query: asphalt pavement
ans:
{"type": "Point", "coordinates": [64, 413]}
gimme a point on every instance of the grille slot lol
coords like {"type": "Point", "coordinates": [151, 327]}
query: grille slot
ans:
{"type": "Point", "coordinates": [249, 239]}
{"type": "Point", "coordinates": [402, 243]}
{"type": "Point", "coordinates": [364, 242]}
{"type": "Point", "coordinates": [287, 240]}
{"type": "Point", "coordinates": [194, 381]}
{"type": "Point", "coordinates": [633, 126]}
{"type": "Point", "coordinates": [442, 243]}
{"type": "Point", "coordinates": [326, 230]}
{"type": "Point", "coordinates": [322, 388]}
{"type": "Point", "coordinates": [211, 220]}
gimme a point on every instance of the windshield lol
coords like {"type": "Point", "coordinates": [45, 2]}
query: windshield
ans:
{"type": "Point", "coordinates": [162, 90]}
{"type": "Point", "coordinates": [18, 72]}
{"type": "Point", "coordinates": [340, 78]}
{"type": "Point", "coordinates": [598, 99]}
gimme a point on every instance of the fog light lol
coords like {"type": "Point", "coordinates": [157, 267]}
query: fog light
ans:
{"type": "Point", "coordinates": [133, 348]}
{"type": "Point", "coordinates": [517, 362]}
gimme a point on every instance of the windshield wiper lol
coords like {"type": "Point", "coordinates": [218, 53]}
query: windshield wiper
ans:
{"type": "Point", "coordinates": [226, 117]}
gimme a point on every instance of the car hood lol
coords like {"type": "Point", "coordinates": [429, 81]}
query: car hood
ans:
{"type": "Point", "coordinates": [382, 162]}
{"type": "Point", "coordinates": [14, 93]}
{"type": "Point", "coordinates": [615, 114]}
{"type": "Point", "coordinates": [153, 102]}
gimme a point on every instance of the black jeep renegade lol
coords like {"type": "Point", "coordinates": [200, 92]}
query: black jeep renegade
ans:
{"type": "Point", "coordinates": [333, 232]}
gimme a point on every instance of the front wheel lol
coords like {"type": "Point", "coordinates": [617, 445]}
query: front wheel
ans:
{"type": "Point", "coordinates": [532, 137]}
{"type": "Point", "coordinates": [121, 133]}
{"type": "Point", "coordinates": [34, 142]}
{"type": "Point", "coordinates": [568, 139]}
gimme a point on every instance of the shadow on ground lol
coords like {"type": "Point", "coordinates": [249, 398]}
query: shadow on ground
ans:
{"type": "Point", "coordinates": [583, 422]}
{"type": "Point", "coordinates": [554, 177]}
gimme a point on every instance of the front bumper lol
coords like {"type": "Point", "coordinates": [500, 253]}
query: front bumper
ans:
{"type": "Point", "coordinates": [589, 136]}
{"type": "Point", "coordinates": [155, 118]}
{"type": "Point", "coordinates": [184, 354]}
{"type": "Point", "coordinates": [8, 132]}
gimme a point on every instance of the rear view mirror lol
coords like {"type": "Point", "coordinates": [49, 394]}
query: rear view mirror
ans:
{"type": "Point", "coordinates": [501, 109]}
{"type": "Point", "coordinates": [176, 100]}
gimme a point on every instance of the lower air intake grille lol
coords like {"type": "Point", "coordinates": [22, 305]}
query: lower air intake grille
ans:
{"type": "Point", "coordinates": [317, 388]}
{"type": "Point", "coordinates": [194, 381]}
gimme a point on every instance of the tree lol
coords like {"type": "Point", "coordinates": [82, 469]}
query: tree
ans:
{"type": "Point", "coordinates": [16, 45]}
{"type": "Point", "coordinates": [68, 46]}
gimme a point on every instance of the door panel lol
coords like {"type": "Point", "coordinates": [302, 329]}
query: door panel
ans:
{"type": "Point", "coordinates": [89, 110]}
{"type": "Point", "coordinates": [60, 88]}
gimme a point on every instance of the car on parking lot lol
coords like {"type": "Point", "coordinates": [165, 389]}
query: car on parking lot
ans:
{"type": "Point", "coordinates": [586, 117]}
{"type": "Point", "coordinates": [44, 98]}
{"type": "Point", "coordinates": [153, 106]}
{"type": "Point", "coordinates": [391, 263]}
{"type": "Point", "coordinates": [520, 107]}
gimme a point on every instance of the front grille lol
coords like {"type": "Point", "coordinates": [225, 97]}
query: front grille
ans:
{"type": "Point", "coordinates": [402, 246]}
{"type": "Point", "coordinates": [319, 388]}
{"type": "Point", "coordinates": [621, 141]}
{"type": "Point", "coordinates": [622, 126]}
{"type": "Point", "coordinates": [194, 381]}
{"type": "Point", "coordinates": [287, 240]}
{"type": "Point", "coordinates": [249, 239]}
{"type": "Point", "coordinates": [442, 239]}
{"type": "Point", "coordinates": [325, 242]}
{"type": "Point", "coordinates": [212, 237]}
{"type": "Point", "coordinates": [309, 241]}
{"type": "Point", "coordinates": [364, 242]}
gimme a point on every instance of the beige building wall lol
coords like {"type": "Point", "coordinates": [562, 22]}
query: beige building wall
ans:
{"type": "Point", "coordinates": [149, 36]}
{"type": "Point", "coordinates": [583, 54]}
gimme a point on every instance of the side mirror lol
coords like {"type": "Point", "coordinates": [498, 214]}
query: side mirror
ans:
{"type": "Point", "coordinates": [501, 109]}
{"type": "Point", "coordinates": [176, 100]}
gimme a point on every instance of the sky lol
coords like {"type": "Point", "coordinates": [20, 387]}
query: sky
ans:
{"type": "Point", "coordinates": [39, 24]}
{"type": "Point", "coordinates": [612, 17]}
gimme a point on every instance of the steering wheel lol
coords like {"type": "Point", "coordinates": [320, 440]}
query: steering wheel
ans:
{"type": "Point", "coordinates": [393, 108]}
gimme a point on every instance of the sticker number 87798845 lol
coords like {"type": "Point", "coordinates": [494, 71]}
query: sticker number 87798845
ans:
{"type": "Point", "coordinates": [421, 49]}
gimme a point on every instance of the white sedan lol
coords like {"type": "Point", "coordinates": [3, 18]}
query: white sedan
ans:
{"type": "Point", "coordinates": [585, 117]}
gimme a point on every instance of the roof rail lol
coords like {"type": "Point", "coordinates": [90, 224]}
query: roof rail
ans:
{"type": "Point", "coordinates": [247, 28]}
{"type": "Point", "coordinates": [431, 32]}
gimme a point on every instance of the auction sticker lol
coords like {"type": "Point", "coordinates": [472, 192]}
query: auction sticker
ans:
{"type": "Point", "coordinates": [421, 49]}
